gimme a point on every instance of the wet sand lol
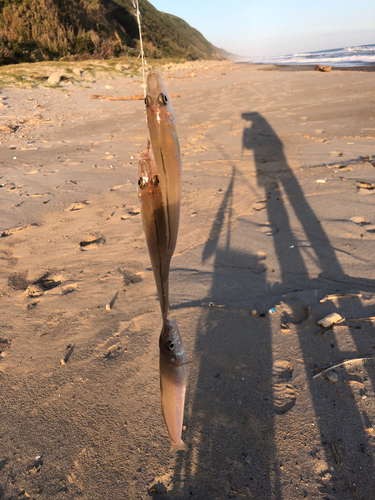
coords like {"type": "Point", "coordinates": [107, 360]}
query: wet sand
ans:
{"type": "Point", "coordinates": [277, 213]}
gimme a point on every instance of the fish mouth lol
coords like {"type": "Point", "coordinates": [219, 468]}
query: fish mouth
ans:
{"type": "Point", "coordinates": [155, 84]}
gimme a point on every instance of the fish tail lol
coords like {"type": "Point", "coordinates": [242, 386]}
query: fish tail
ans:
{"type": "Point", "coordinates": [180, 446]}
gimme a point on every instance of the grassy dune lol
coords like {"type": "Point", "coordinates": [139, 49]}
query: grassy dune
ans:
{"type": "Point", "coordinates": [40, 30]}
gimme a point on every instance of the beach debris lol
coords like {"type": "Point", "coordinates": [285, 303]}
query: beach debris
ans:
{"type": "Point", "coordinates": [332, 376]}
{"type": "Point", "coordinates": [324, 69]}
{"type": "Point", "coordinates": [370, 318]}
{"type": "Point", "coordinates": [115, 188]}
{"type": "Point", "coordinates": [333, 325]}
{"type": "Point", "coordinates": [321, 181]}
{"type": "Point", "coordinates": [54, 78]}
{"type": "Point", "coordinates": [131, 213]}
{"type": "Point", "coordinates": [248, 459]}
{"type": "Point", "coordinates": [340, 296]}
{"type": "Point", "coordinates": [78, 205]}
{"type": "Point", "coordinates": [359, 220]}
{"type": "Point", "coordinates": [272, 310]}
{"type": "Point", "coordinates": [342, 363]}
{"type": "Point", "coordinates": [336, 455]}
{"type": "Point", "coordinates": [92, 242]}
{"type": "Point", "coordinates": [172, 366]}
{"type": "Point", "coordinates": [219, 306]}
{"type": "Point", "coordinates": [65, 359]}
{"type": "Point", "coordinates": [254, 312]}
{"type": "Point", "coordinates": [109, 306]}
{"type": "Point", "coordinates": [125, 97]}
{"type": "Point", "coordinates": [285, 327]}
{"type": "Point", "coordinates": [329, 320]}
{"type": "Point", "coordinates": [4, 345]}
{"type": "Point", "coordinates": [365, 185]}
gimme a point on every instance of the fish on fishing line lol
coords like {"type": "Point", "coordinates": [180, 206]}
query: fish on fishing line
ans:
{"type": "Point", "coordinates": [172, 366]}
{"type": "Point", "coordinates": [154, 226]}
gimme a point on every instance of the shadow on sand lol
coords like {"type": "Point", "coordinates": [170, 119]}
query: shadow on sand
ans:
{"type": "Point", "coordinates": [236, 453]}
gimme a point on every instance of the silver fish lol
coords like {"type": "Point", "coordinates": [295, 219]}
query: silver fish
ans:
{"type": "Point", "coordinates": [154, 226]}
{"type": "Point", "coordinates": [172, 364]}
{"type": "Point", "coordinates": [166, 148]}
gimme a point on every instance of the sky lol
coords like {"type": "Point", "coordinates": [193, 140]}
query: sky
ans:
{"type": "Point", "coordinates": [277, 27]}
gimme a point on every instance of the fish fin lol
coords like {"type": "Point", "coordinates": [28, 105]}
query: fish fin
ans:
{"type": "Point", "coordinates": [180, 446]}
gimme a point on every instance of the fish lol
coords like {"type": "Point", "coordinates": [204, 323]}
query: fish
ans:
{"type": "Point", "coordinates": [166, 149]}
{"type": "Point", "coordinates": [172, 367]}
{"type": "Point", "coordinates": [154, 226]}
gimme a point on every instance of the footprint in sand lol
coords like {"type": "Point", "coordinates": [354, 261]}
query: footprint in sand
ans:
{"type": "Point", "coordinates": [284, 394]}
{"type": "Point", "coordinates": [18, 281]}
{"type": "Point", "coordinates": [13, 230]}
{"type": "Point", "coordinates": [292, 309]}
{"type": "Point", "coordinates": [259, 205]}
{"type": "Point", "coordinates": [269, 229]}
{"type": "Point", "coordinates": [78, 205]}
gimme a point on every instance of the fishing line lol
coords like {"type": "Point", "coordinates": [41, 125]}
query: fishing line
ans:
{"type": "Point", "coordinates": [144, 63]}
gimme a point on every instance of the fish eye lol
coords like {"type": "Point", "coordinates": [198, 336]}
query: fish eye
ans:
{"type": "Point", "coordinates": [155, 181]}
{"type": "Point", "coordinates": [162, 99]}
{"type": "Point", "coordinates": [148, 101]}
{"type": "Point", "coordinates": [170, 345]}
{"type": "Point", "coordinates": [142, 182]}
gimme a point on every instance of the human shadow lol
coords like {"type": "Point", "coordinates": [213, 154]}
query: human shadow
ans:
{"type": "Point", "coordinates": [343, 424]}
{"type": "Point", "coordinates": [234, 408]}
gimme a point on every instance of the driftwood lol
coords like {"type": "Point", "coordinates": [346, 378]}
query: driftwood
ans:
{"type": "Point", "coordinates": [324, 69]}
{"type": "Point", "coordinates": [125, 97]}
{"type": "Point", "coordinates": [329, 368]}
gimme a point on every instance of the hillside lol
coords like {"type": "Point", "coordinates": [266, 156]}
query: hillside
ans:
{"type": "Point", "coordinates": [34, 30]}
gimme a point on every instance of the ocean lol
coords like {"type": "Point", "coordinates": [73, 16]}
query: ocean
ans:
{"type": "Point", "coordinates": [362, 55]}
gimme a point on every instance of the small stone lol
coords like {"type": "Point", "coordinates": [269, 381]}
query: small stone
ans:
{"type": "Point", "coordinates": [77, 71]}
{"type": "Point", "coordinates": [329, 320]}
{"type": "Point", "coordinates": [248, 459]}
{"type": "Point", "coordinates": [332, 376]}
{"type": "Point", "coordinates": [254, 312]}
{"type": "Point", "coordinates": [54, 78]}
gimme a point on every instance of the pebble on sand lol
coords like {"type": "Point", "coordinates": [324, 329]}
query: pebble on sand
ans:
{"type": "Point", "coordinates": [332, 376]}
{"type": "Point", "coordinates": [121, 67]}
{"type": "Point", "coordinates": [77, 71]}
{"type": "Point", "coordinates": [329, 320]}
{"type": "Point", "coordinates": [54, 78]}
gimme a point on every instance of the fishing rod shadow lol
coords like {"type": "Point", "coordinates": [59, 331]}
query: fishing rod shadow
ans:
{"type": "Point", "coordinates": [230, 409]}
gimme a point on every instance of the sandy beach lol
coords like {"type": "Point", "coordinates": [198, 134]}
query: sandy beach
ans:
{"type": "Point", "coordinates": [277, 213]}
